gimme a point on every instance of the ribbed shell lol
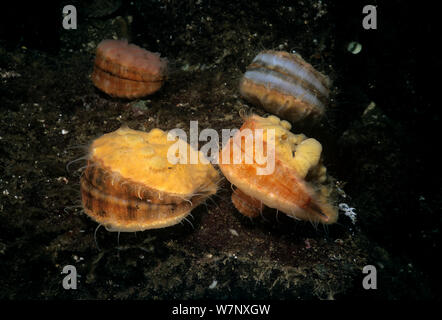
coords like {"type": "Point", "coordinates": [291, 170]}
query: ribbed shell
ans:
{"type": "Point", "coordinates": [286, 85]}
{"type": "Point", "coordinates": [127, 71]}
{"type": "Point", "coordinates": [129, 184]}
{"type": "Point", "coordinates": [123, 205]}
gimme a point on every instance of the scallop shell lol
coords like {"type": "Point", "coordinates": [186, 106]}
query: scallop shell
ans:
{"type": "Point", "coordinates": [129, 185]}
{"type": "Point", "coordinates": [286, 85]}
{"type": "Point", "coordinates": [291, 187]}
{"type": "Point", "coordinates": [126, 70]}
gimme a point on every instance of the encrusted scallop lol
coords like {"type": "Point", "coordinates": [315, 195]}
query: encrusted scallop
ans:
{"type": "Point", "coordinates": [129, 184]}
{"type": "Point", "coordinates": [297, 185]}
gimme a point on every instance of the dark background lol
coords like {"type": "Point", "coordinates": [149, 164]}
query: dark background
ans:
{"type": "Point", "coordinates": [398, 68]}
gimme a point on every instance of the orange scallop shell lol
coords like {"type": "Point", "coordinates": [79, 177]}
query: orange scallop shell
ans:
{"type": "Point", "coordinates": [284, 189]}
{"type": "Point", "coordinates": [247, 205]}
{"type": "Point", "coordinates": [126, 70]}
{"type": "Point", "coordinates": [121, 206]}
{"type": "Point", "coordinates": [128, 185]}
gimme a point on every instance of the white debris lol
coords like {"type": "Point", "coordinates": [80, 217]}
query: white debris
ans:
{"type": "Point", "coordinates": [63, 131]}
{"type": "Point", "coordinates": [348, 211]}
{"type": "Point", "coordinates": [213, 284]}
{"type": "Point", "coordinates": [234, 232]}
{"type": "Point", "coordinates": [8, 74]}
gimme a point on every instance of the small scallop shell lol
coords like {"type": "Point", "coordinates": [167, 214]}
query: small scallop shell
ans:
{"type": "Point", "coordinates": [126, 70]}
{"type": "Point", "coordinates": [248, 206]}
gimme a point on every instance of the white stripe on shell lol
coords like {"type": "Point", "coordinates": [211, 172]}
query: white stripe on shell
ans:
{"type": "Point", "coordinates": [292, 68]}
{"type": "Point", "coordinates": [274, 82]}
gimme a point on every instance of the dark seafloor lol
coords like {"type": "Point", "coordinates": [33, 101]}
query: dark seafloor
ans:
{"type": "Point", "coordinates": [380, 138]}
